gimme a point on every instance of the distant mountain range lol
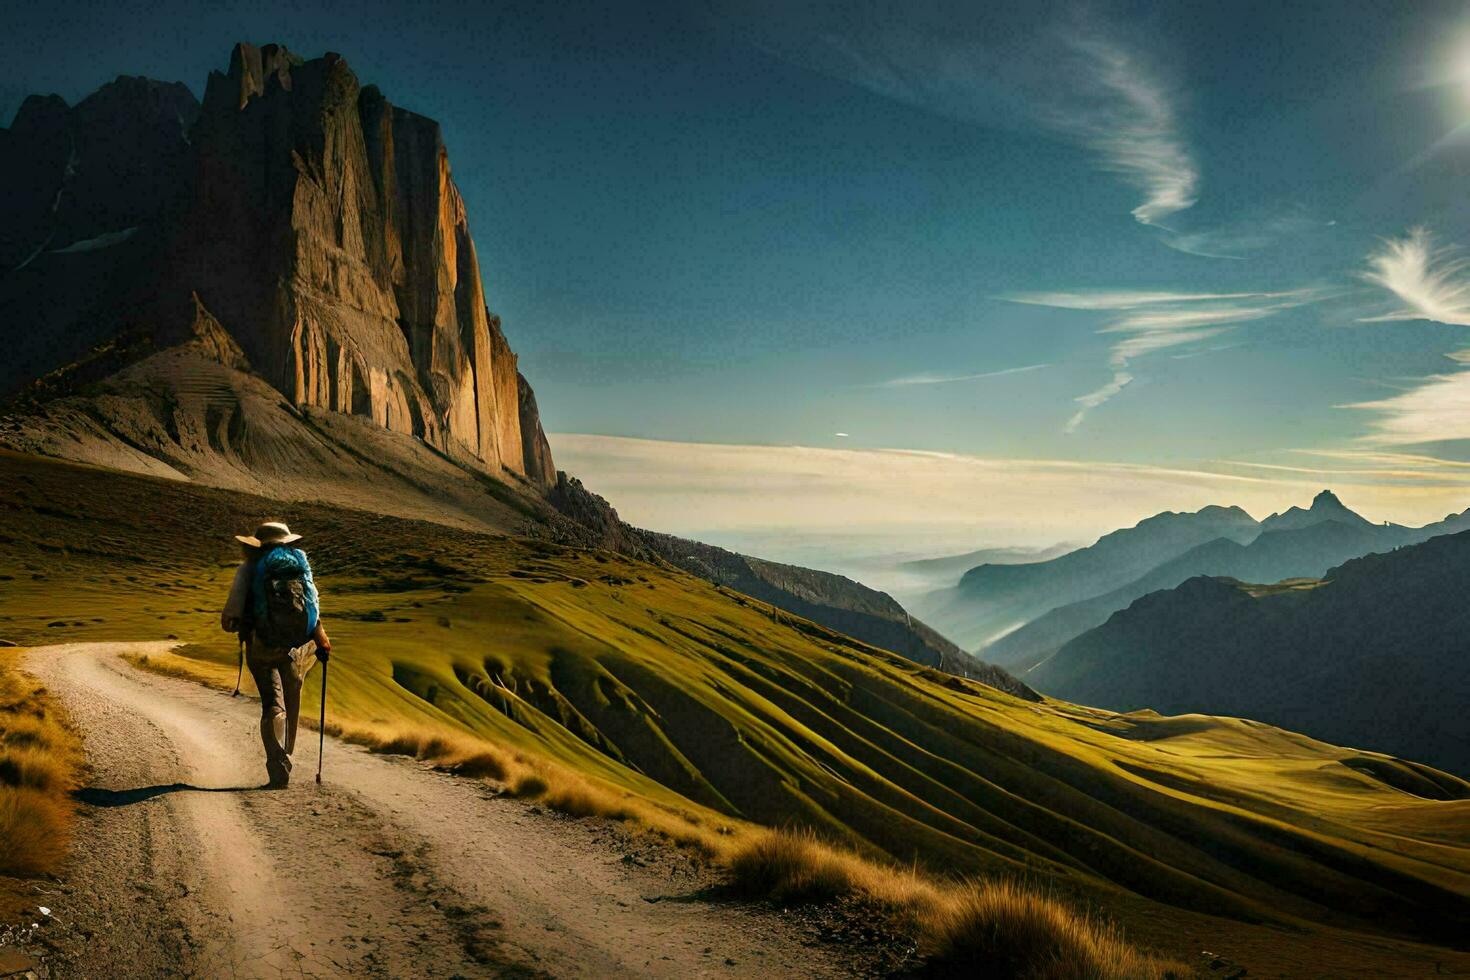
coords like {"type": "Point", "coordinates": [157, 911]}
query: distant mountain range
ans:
{"type": "Point", "coordinates": [951, 567]}
{"type": "Point", "coordinates": [1296, 544]}
{"type": "Point", "coordinates": [993, 599]}
{"type": "Point", "coordinates": [1018, 615]}
{"type": "Point", "coordinates": [1376, 654]}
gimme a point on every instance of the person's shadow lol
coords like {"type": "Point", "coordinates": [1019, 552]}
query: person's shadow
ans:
{"type": "Point", "coordinates": [94, 796]}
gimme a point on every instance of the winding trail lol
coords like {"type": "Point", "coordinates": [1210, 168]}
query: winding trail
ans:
{"type": "Point", "coordinates": [183, 865]}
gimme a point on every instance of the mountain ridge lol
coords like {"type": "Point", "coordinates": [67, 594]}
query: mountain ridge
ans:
{"type": "Point", "coordinates": [1288, 550]}
{"type": "Point", "coordinates": [1324, 507]}
{"type": "Point", "coordinates": [1017, 615]}
{"type": "Point", "coordinates": [1368, 654]}
{"type": "Point", "coordinates": [990, 600]}
{"type": "Point", "coordinates": [652, 677]}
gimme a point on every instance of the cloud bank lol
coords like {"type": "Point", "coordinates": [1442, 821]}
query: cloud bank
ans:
{"type": "Point", "coordinates": [1436, 410]}
{"type": "Point", "coordinates": [860, 499]}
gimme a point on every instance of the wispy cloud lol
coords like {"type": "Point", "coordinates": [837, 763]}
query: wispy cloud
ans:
{"type": "Point", "coordinates": [1152, 321]}
{"type": "Point", "coordinates": [1119, 299]}
{"type": "Point", "coordinates": [909, 380]}
{"type": "Point", "coordinates": [1436, 410]}
{"type": "Point", "coordinates": [1216, 349]}
{"type": "Point", "coordinates": [1387, 458]}
{"type": "Point", "coordinates": [1258, 228]}
{"type": "Point", "coordinates": [1043, 67]}
{"type": "Point", "coordinates": [1430, 281]}
{"type": "Point", "coordinates": [1123, 112]}
{"type": "Point", "coordinates": [1411, 474]}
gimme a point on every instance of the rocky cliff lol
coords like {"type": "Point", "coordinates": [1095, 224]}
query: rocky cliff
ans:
{"type": "Point", "coordinates": [86, 195]}
{"type": "Point", "coordinates": [316, 222]}
{"type": "Point", "coordinates": [106, 166]}
{"type": "Point", "coordinates": [275, 291]}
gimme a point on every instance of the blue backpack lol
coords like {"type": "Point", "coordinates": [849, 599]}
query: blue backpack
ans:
{"type": "Point", "coordinates": [284, 598]}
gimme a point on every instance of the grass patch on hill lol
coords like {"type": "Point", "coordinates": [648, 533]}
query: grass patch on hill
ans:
{"type": "Point", "coordinates": [40, 764]}
{"type": "Point", "coordinates": [658, 690]}
{"type": "Point", "coordinates": [963, 928]}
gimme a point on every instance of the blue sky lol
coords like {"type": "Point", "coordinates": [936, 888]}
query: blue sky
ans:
{"type": "Point", "coordinates": [1186, 236]}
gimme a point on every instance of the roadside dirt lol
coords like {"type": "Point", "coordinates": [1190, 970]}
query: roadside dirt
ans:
{"type": "Point", "coordinates": [184, 865]}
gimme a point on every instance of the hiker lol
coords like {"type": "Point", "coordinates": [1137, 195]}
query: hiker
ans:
{"type": "Point", "coordinates": [273, 607]}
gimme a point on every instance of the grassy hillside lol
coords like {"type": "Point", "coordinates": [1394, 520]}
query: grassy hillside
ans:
{"type": "Point", "coordinates": [832, 600]}
{"type": "Point", "coordinates": [686, 693]}
{"type": "Point", "coordinates": [40, 764]}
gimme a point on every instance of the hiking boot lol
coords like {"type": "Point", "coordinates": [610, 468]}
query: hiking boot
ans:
{"type": "Point", "coordinates": [277, 776]}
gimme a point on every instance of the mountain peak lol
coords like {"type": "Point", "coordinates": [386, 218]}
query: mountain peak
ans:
{"type": "Point", "coordinates": [324, 231]}
{"type": "Point", "coordinates": [38, 111]}
{"type": "Point", "coordinates": [1327, 499]}
{"type": "Point", "coordinates": [1325, 507]}
{"type": "Point", "coordinates": [252, 67]}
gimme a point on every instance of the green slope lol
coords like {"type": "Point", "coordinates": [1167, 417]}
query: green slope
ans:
{"type": "Point", "coordinates": [676, 689]}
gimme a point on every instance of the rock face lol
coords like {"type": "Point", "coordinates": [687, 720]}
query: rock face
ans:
{"type": "Point", "coordinates": [364, 293]}
{"type": "Point", "coordinates": [104, 167]}
{"type": "Point", "coordinates": [86, 193]}
{"type": "Point", "coordinates": [535, 450]}
{"type": "Point", "coordinates": [276, 291]}
{"type": "Point", "coordinates": [317, 223]}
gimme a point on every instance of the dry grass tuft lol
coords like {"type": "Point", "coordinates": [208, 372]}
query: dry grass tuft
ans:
{"type": "Point", "coordinates": [793, 866]}
{"type": "Point", "coordinates": [999, 929]}
{"type": "Point", "coordinates": [479, 765]}
{"type": "Point", "coordinates": [37, 767]}
{"type": "Point", "coordinates": [40, 758]}
{"type": "Point", "coordinates": [580, 797]}
{"type": "Point", "coordinates": [528, 784]}
{"type": "Point", "coordinates": [35, 829]}
{"type": "Point", "coordinates": [1006, 930]}
{"type": "Point", "coordinates": [530, 778]}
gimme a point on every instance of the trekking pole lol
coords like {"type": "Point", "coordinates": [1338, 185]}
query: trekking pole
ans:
{"type": "Point", "coordinates": [241, 675]}
{"type": "Point", "coordinates": [321, 730]}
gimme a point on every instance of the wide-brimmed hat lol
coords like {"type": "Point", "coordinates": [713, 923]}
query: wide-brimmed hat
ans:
{"type": "Point", "coordinates": [269, 533]}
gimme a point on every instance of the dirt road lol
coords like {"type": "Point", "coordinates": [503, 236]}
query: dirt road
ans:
{"type": "Point", "coordinates": [183, 865]}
